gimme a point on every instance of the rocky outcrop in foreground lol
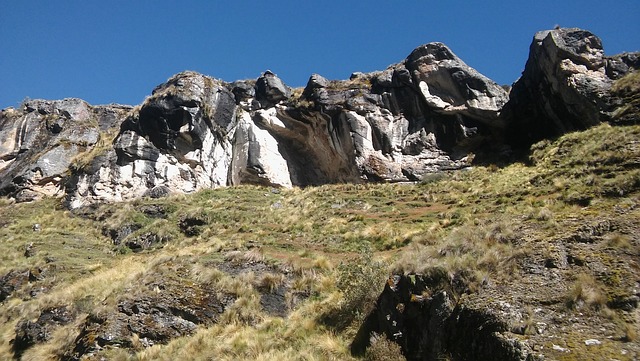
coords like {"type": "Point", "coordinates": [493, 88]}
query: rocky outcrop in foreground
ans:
{"type": "Point", "coordinates": [428, 113]}
{"type": "Point", "coordinates": [428, 321]}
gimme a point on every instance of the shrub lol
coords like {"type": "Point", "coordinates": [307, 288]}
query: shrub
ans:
{"type": "Point", "coordinates": [360, 282]}
{"type": "Point", "coordinates": [383, 349]}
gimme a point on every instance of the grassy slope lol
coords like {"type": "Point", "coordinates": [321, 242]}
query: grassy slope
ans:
{"type": "Point", "coordinates": [577, 205]}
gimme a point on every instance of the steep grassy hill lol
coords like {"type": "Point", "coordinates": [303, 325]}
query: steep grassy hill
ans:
{"type": "Point", "coordinates": [552, 245]}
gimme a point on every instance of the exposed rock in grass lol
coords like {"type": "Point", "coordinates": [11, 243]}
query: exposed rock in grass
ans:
{"type": "Point", "coordinates": [430, 323]}
{"type": "Point", "coordinates": [29, 333]}
{"type": "Point", "coordinates": [12, 281]}
{"type": "Point", "coordinates": [154, 314]}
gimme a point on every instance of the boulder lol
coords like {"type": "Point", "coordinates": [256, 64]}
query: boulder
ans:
{"type": "Point", "coordinates": [270, 89]}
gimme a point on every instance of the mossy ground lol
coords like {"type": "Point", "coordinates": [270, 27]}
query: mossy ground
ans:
{"type": "Point", "coordinates": [556, 239]}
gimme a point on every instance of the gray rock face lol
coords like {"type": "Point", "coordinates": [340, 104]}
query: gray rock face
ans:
{"type": "Point", "coordinates": [449, 86]}
{"type": "Point", "coordinates": [565, 86]}
{"type": "Point", "coordinates": [42, 139]}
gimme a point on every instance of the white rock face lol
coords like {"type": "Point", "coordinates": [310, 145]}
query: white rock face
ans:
{"type": "Point", "coordinates": [256, 157]}
{"type": "Point", "coordinates": [195, 133]}
{"type": "Point", "coordinates": [426, 114]}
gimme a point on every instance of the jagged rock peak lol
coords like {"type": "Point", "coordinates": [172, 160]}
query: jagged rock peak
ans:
{"type": "Point", "coordinates": [565, 86]}
{"type": "Point", "coordinates": [451, 86]}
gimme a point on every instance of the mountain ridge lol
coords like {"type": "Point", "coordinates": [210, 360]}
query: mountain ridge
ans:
{"type": "Point", "coordinates": [429, 113]}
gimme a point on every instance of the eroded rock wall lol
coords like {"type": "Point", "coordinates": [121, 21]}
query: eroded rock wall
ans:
{"type": "Point", "coordinates": [428, 113]}
{"type": "Point", "coordinates": [43, 140]}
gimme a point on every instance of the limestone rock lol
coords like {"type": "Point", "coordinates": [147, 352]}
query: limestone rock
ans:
{"type": "Point", "coordinates": [179, 141]}
{"type": "Point", "coordinates": [621, 64]}
{"type": "Point", "coordinates": [428, 113]}
{"type": "Point", "coordinates": [256, 156]}
{"type": "Point", "coordinates": [449, 86]}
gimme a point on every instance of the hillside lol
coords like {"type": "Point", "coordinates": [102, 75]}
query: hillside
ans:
{"type": "Point", "coordinates": [551, 247]}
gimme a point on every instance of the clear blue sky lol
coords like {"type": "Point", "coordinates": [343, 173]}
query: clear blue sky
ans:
{"type": "Point", "coordinates": [118, 51]}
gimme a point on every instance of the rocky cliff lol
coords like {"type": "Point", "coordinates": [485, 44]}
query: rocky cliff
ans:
{"type": "Point", "coordinates": [565, 86]}
{"type": "Point", "coordinates": [428, 113]}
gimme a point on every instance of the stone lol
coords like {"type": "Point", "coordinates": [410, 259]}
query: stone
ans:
{"type": "Point", "coordinates": [619, 65]}
{"type": "Point", "coordinates": [179, 141]}
{"type": "Point", "coordinates": [41, 141]}
{"type": "Point", "coordinates": [450, 86]}
{"type": "Point", "coordinates": [243, 90]}
{"type": "Point", "coordinates": [592, 342]}
{"type": "Point", "coordinates": [156, 317]}
{"type": "Point", "coordinates": [28, 333]}
{"type": "Point", "coordinates": [270, 89]}
{"type": "Point", "coordinates": [12, 281]}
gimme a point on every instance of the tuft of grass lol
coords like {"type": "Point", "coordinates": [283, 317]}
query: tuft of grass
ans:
{"type": "Point", "coordinates": [360, 283]}
{"type": "Point", "coordinates": [585, 291]}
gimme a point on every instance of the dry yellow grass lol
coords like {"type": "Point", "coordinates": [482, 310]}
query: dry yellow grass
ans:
{"type": "Point", "coordinates": [482, 222]}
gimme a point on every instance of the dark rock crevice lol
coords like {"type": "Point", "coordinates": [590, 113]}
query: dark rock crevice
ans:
{"type": "Point", "coordinates": [426, 317]}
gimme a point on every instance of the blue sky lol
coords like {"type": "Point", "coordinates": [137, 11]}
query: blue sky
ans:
{"type": "Point", "coordinates": [118, 51]}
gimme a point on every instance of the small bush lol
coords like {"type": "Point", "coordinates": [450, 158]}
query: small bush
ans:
{"type": "Point", "coordinates": [383, 349]}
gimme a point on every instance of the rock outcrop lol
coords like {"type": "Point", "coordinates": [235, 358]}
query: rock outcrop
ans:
{"type": "Point", "coordinates": [178, 141]}
{"type": "Point", "coordinates": [565, 86]}
{"type": "Point", "coordinates": [422, 314]}
{"type": "Point", "coordinates": [43, 140]}
{"type": "Point", "coordinates": [428, 113]}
